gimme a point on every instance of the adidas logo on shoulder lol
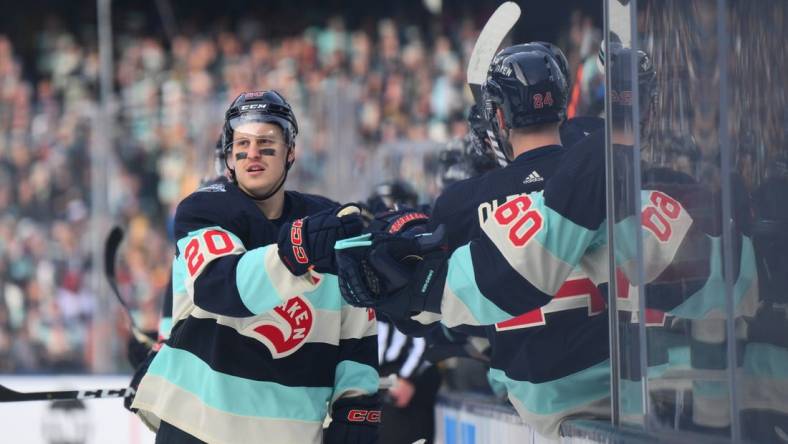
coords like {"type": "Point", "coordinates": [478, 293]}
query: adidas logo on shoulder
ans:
{"type": "Point", "coordinates": [533, 177]}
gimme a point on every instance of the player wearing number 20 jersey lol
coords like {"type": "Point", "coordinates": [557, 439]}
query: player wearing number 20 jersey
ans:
{"type": "Point", "coordinates": [243, 358]}
{"type": "Point", "coordinates": [259, 349]}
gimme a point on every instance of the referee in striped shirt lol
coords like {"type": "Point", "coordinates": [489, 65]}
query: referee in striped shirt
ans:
{"type": "Point", "coordinates": [409, 410]}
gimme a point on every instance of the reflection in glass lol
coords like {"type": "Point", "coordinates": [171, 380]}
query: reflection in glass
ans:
{"type": "Point", "coordinates": [712, 140]}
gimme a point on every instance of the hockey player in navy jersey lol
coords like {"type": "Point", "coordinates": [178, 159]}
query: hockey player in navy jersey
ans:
{"type": "Point", "coordinates": [262, 345]}
{"type": "Point", "coordinates": [524, 362]}
{"type": "Point", "coordinates": [533, 351]}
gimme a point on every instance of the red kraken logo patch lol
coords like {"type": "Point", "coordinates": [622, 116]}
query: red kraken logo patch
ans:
{"type": "Point", "coordinates": [287, 327]}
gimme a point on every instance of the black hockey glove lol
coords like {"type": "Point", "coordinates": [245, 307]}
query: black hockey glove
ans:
{"type": "Point", "coordinates": [400, 274]}
{"type": "Point", "coordinates": [309, 242]}
{"type": "Point", "coordinates": [137, 351]}
{"type": "Point", "coordinates": [354, 254]}
{"type": "Point", "coordinates": [354, 421]}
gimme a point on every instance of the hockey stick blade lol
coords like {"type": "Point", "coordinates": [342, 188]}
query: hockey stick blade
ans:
{"type": "Point", "coordinates": [111, 246]}
{"type": "Point", "coordinates": [114, 239]}
{"type": "Point", "coordinates": [490, 38]}
{"type": "Point", "coordinates": [8, 395]}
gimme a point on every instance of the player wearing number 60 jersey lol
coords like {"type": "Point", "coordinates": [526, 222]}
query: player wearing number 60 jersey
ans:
{"type": "Point", "coordinates": [558, 341]}
{"type": "Point", "coordinates": [262, 344]}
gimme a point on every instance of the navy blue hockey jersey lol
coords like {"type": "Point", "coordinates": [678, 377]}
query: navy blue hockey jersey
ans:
{"type": "Point", "coordinates": [254, 351]}
{"type": "Point", "coordinates": [551, 361]}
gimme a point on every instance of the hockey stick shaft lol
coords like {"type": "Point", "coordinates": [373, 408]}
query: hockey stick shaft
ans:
{"type": "Point", "coordinates": [490, 39]}
{"type": "Point", "coordinates": [8, 395]}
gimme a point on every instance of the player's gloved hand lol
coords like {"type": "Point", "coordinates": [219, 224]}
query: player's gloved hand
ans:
{"type": "Point", "coordinates": [309, 242]}
{"type": "Point", "coordinates": [354, 421]}
{"type": "Point", "coordinates": [400, 274]}
{"type": "Point", "coordinates": [137, 350]}
{"type": "Point", "coordinates": [354, 253]}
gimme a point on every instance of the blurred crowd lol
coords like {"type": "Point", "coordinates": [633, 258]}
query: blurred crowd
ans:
{"type": "Point", "coordinates": [353, 90]}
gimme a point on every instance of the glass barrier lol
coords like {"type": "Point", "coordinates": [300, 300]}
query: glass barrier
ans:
{"type": "Point", "coordinates": [697, 147]}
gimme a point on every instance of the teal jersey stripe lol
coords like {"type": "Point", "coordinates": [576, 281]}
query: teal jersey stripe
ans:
{"type": "Point", "coordinates": [352, 375]}
{"type": "Point", "coordinates": [236, 395]}
{"type": "Point", "coordinates": [631, 397]}
{"type": "Point", "coordinates": [178, 276]}
{"type": "Point", "coordinates": [711, 294]}
{"type": "Point", "coordinates": [462, 282]}
{"type": "Point", "coordinates": [747, 271]}
{"type": "Point", "coordinates": [766, 361]}
{"type": "Point", "coordinates": [709, 297]}
{"type": "Point", "coordinates": [626, 232]}
{"type": "Point", "coordinates": [551, 397]}
{"type": "Point", "coordinates": [326, 296]}
{"type": "Point", "coordinates": [165, 325]}
{"type": "Point", "coordinates": [560, 236]}
{"type": "Point", "coordinates": [255, 288]}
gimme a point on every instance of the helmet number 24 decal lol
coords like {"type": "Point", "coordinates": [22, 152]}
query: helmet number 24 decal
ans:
{"type": "Point", "coordinates": [541, 101]}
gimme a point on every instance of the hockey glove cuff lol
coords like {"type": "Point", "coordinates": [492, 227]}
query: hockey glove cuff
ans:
{"type": "Point", "coordinates": [309, 242]}
{"type": "Point", "coordinates": [354, 421]}
{"type": "Point", "coordinates": [136, 350]}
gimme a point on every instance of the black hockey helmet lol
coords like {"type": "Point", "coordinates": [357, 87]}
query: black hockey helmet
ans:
{"type": "Point", "coordinates": [621, 81]}
{"type": "Point", "coordinates": [563, 63]}
{"type": "Point", "coordinates": [461, 160]}
{"type": "Point", "coordinates": [529, 86]}
{"type": "Point", "coordinates": [260, 106]}
{"type": "Point", "coordinates": [528, 83]}
{"type": "Point", "coordinates": [392, 195]}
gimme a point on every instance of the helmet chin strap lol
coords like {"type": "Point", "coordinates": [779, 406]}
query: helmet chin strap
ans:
{"type": "Point", "coordinates": [506, 146]}
{"type": "Point", "coordinates": [267, 195]}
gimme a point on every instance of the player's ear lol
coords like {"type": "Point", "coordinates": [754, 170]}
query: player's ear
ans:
{"type": "Point", "coordinates": [290, 155]}
{"type": "Point", "coordinates": [501, 120]}
{"type": "Point", "coordinates": [230, 159]}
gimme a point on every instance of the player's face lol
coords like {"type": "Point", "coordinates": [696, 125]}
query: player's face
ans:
{"type": "Point", "coordinates": [258, 156]}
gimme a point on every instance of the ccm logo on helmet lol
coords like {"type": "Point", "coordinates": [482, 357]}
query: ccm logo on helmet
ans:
{"type": "Point", "coordinates": [296, 238]}
{"type": "Point", "coordinates": [358, 415]}
{"type": "Point", "coordinates": [254, 106]}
